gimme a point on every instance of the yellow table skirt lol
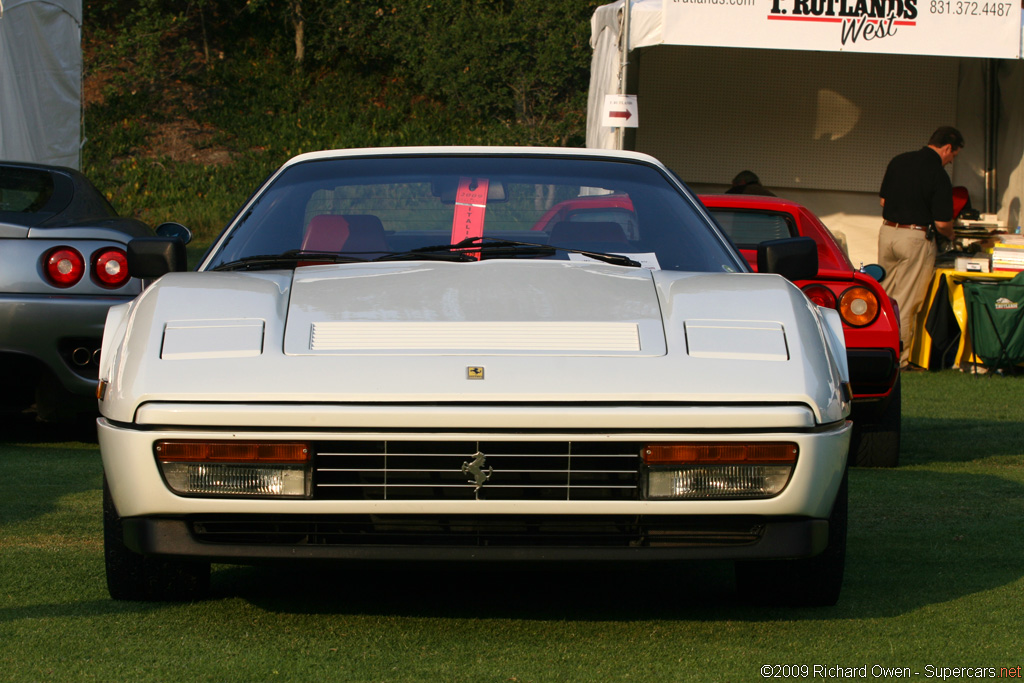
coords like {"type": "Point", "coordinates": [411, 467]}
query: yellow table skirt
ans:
{"type": "Point", "coordinates": [921, 350]}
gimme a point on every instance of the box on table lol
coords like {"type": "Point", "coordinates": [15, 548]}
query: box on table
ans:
{"type": "Point", "coordinates": [968, 264]}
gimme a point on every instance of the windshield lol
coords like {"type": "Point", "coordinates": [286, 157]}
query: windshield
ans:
{"type": "Point", "coordinates": [386, 207]}
{"type": "Point", "coordinates": [749, 228]}
{"type": "Point", "coordinates": [24, 190]}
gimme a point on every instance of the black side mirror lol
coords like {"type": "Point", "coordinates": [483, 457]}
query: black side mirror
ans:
{"type": "Point", "coordinates": [794, 258]}
{"type": "Point", "coordinates": [874, 271]}
{"type": "Point", "coordinates": [151, 257]}
{"type": "Point", "coordinates": [175, 231]}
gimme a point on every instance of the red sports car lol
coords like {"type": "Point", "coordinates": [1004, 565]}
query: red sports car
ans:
{"type": "Point", "coordinates": [870, 318]}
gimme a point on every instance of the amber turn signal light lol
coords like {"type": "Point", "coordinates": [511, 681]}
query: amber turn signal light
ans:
{"type": "Point", "coordinates": [232, 451]}
{"type": "Point", "coordinates": [719, 453]}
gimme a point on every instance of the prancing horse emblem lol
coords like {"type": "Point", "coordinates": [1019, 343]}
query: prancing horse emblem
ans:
{"type": "Point", "coordinates": [475, 469]}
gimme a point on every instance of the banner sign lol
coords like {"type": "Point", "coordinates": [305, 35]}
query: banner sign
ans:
{"type": "Point", "coordinates": [954, 28]}
{"type": "Point", "coordinates": [470, 207]}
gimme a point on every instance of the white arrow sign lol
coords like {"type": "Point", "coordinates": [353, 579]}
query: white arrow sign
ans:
{"type": "Point", "coordinates": [620, 111]}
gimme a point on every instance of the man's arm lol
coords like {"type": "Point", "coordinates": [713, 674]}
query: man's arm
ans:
{"type": "Point", "coordinates": [945, 228]}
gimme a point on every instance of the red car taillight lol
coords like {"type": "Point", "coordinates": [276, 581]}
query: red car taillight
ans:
{"type": "Point", "coordinates": [820, 295]}
{"type": "Point", "coordinates": [858, 306]}
{"type": "Point", "coordinates": [110, 267]}
{"type": "Point", "coordinates": [63, 266]}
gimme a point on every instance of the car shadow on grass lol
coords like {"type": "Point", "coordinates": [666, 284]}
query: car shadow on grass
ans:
{"type": "Point", "coordinates": [40, 463]}
{"type": "Point", "coordinates": [85, 608]}
{"type": "Point", "coordinates": [917, 538]}
{"type": "Point", "coordinates": [23, 427]}
{"type": "Point", "coordinates": [927, 440]}
{"type": "Point", "coordinates": [470, 591]}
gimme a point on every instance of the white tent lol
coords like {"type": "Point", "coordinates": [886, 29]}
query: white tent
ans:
{"type": "Point", "coordinates": [817, 123]}
{"type": "Point", "coordinates": [41, 81]}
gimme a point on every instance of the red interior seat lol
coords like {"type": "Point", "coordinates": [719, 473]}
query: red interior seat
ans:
{"type": "Point", "coordinates": [355, 233]}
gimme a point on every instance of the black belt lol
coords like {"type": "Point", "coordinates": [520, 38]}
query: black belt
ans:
{"type": "Point", "coordinates": [908, 226]}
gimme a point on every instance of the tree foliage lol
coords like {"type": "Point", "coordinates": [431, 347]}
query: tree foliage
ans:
{"type": "Point", "coordinates": [176, 87]}
{"type": "Point", "coordinates": [525, 63]}
{"type": "Point", "coordinates": [522, 62]}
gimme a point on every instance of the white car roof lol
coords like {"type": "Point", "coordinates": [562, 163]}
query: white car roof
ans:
{"type": "Point", "coordinates": [477, 150]}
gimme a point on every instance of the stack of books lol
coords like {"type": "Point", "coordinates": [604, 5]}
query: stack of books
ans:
{"type": "Point", "coordinates": [1008, 254]}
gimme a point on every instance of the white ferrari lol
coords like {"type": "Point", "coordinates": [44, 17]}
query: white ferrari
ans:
{"type": "Point", "coordinates": [398, 354]}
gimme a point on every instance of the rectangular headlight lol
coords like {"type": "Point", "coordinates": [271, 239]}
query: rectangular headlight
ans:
{"type": "Point", "coordinates": [717, 470]}
{"type": "Point", "coordinates": [234, 468]}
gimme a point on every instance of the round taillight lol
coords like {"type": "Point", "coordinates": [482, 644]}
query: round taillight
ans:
{"type": "Point", "coordinates": [858, 306]}
{"type": "Point", "coordinates": [63, 266]}
{"type": "Point", "coordinates": [110, 267]}
{"type": "Point", "coordinates": [820, 295]}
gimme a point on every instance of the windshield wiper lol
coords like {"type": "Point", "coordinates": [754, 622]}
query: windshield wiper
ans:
{"type": "Point", "coordinates": [493, 248]}
{"type": "Point", "coordinates": [605, 257]}
{"type": "Point", "coordinates": [288, 259]}
{"type": "Point", "coordinates": [467, 249]}
{"type": "Point", "coordinates": [431, 254]}
{"type": "Point", "coordinates": [522, 248]}
{"type": "Point", "coordinates": [463, 251]}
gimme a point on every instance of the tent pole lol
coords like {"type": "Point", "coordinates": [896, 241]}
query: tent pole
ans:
{"type": "Point", "coordinates": [991, 113]}
{"type": "Point", "coordinates": [620, 134]}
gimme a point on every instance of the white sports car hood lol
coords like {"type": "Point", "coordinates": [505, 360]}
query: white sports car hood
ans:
{"type": "Point", "coordinates": [493, 331]}
{"type": "Point", "coordinates": [494, 308]}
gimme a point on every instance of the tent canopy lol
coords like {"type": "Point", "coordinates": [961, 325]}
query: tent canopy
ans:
{"type": "Point", "coordinates": [41, 81]}
{"type": "Point", "coordinates": [879, 27]}
{"type": "Point", "coordinates": [817, 124]}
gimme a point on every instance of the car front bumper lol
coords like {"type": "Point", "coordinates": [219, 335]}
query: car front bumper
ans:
{"type": "Point", "coordinates": [248, 538]}
{"type": "Point", "coordinates": [792, 523]}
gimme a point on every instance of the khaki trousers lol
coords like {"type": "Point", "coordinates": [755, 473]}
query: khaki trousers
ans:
{"type": "Point", "coordinates": [909, 261]}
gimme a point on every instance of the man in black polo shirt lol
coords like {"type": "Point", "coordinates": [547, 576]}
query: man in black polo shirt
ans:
{"type": "Point", "coordinates": [916, 193]}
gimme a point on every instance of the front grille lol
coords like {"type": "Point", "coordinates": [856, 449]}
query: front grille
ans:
{"type": "Point", "coordinates": [566, 531]}
{"type": "Point", "coordinates": [486, 470]}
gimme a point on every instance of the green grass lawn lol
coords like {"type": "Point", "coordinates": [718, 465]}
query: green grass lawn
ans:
{"type": "Point", "coordinates": [935, 578]}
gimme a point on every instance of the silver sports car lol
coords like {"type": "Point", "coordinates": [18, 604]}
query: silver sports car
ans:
{"type": "Point", "coordinates": [62, 265]}
{"type": "Point", "coordinates": [394, 354]}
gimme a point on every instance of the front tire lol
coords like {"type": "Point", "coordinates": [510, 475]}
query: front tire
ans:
{"type": "Point", "coordinates": [131, 576]}
{"type": "Point", "coordinates": [809, 582]}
